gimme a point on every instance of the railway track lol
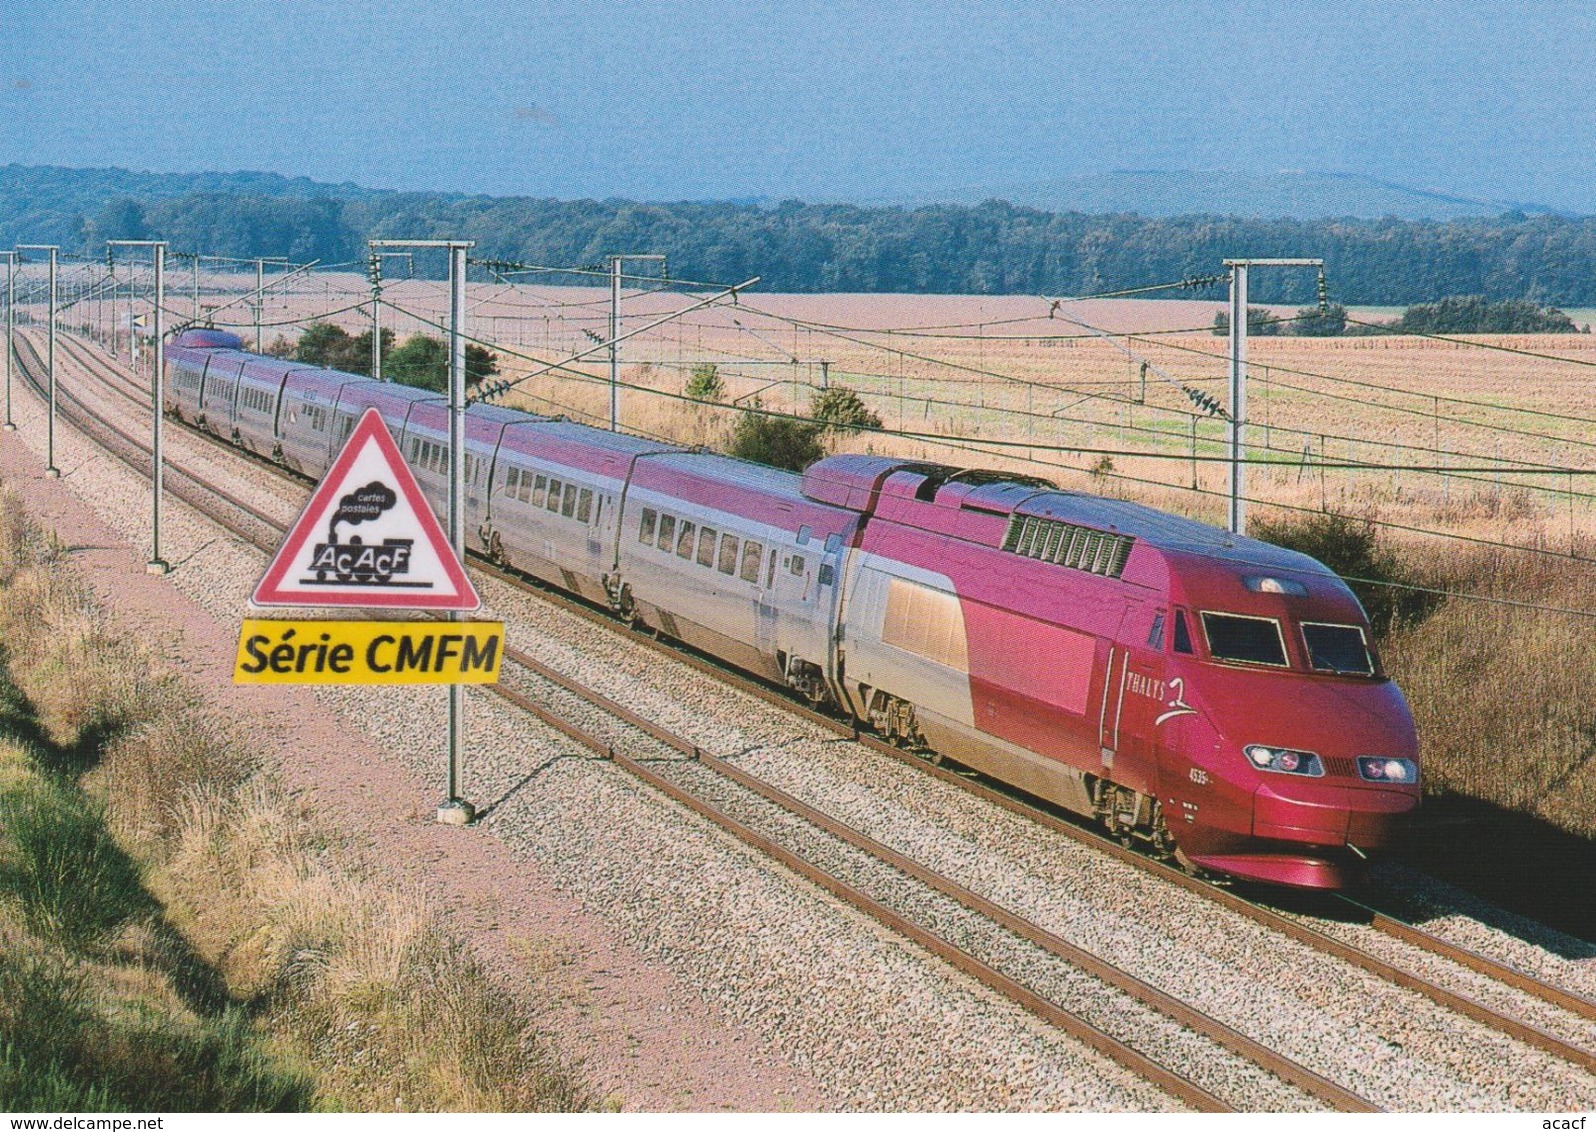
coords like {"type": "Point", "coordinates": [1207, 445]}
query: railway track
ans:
{"type": "Point", "coordinates": [1326, 1091]}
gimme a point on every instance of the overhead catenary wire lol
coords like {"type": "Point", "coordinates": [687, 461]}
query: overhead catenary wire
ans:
{"type": "Point", "coordinates": [1495, 469]}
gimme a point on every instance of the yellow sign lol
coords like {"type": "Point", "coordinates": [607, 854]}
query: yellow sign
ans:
{"type": "Point", "coordinates": [369, 652]}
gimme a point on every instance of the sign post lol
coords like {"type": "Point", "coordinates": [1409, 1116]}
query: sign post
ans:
{"type": "Point", "coordinates": [455, 810]}
{"type": "Point", "coordinates": [368, 538]}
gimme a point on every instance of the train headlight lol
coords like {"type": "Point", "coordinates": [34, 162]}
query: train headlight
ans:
{"type": "Point", "coordinates": [1282, 760]}
{"type": "Point", "coordinates": [1376, 768]}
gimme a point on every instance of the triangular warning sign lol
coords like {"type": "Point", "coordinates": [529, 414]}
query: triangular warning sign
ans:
{"type": "Point", "coordinates": [367, 537]}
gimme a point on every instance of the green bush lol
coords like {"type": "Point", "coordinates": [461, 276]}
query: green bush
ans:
{"type": "Point", "coordinates": [1261, 323]}
{"type": "Point", "coordinates": [423, 362]}
{"type": "Point", "coordinates": [1311, 322]}
{"type": "Point", "coordinates": [706, 384]}
{"type": "Point", "coordinates": [1353, 549]}
{"type": "Point", "coordinates": [839, 408]}
{"type": "Point", "coordinates": [1475, 314]}
{"type": "Point", "coordinates": [780, 442]}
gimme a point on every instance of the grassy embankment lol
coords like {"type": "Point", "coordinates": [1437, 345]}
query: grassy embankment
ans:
{"type": "Point", "coordinates": [176, 933]}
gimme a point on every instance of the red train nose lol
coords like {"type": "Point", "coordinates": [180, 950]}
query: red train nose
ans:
{"type": "Point", "coordinates": [1330, 815]}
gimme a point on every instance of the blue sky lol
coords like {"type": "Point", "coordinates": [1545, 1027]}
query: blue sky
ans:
{"type": "Point", "coordinates": [676, 101]}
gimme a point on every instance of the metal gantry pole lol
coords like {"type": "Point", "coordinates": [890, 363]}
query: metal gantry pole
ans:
{"type": "Point", "coordinates": [376, 316]}
{"type": "Point", "coordinates": [456, 810]}
{"type": "Point", "coordinates": [11, 302]}
{"type": "Point", "coordinates": [260, 299]}
{"type": "Point", "coordinates": [1238, 394]}
{"type": "Point", "coordinates": [1238, 378]}
{"type": "Point", "coordinates": [616, 264]}
{"type": "Point", "coordinates": [132, 335]}
{"type": "Point", "coordinates": [50, 470]}
{"type": "Point", "coordinates": [156, 564]}
{"type": "Point", "coordinates": [615, 347]}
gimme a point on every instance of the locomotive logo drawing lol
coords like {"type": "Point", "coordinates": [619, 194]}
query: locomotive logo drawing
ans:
{"type": "Point", "coordinates": [357, 562]}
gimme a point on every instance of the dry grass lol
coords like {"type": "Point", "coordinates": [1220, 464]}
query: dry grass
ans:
{"type": "Point", "coordinates": [1502, 695]}
{"type": "Point", "coordinates": [280, 935]}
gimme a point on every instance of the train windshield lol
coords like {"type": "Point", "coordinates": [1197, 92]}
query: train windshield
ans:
{"type": "Point", "coordinates": [1253, 640]}
{"type": "Point", "coordinates": [1337, 648]}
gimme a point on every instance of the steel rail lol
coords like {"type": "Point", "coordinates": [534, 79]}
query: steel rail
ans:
{"type": "Point", "coordinates": [87, 420]}
{"type": "Point", "coordinates": [1302, 933]}
{"type": "Point", "coordinates": [1238, 1043]}
{"type": "Point", "coordinates": [1436, 945]}
{"type": "Point", "coordinates": [1133, 1060]}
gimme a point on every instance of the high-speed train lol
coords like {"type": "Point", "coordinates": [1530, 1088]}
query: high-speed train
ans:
{"type": "Point", "coordinates": [1214, 696]}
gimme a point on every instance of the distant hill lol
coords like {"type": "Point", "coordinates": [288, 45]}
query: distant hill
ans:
{"type": "Point", "coordinates": [67, 188]}
{"type": "Point", "coordinates": [992, 248]}
{"type": "Point", "coordinates": [1290, 193]}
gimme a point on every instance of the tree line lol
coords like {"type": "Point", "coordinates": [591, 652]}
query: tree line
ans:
{"type": "Point", "coordinates": [991, 248]}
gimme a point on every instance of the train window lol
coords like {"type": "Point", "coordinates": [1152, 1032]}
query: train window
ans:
{"type": "Point", "coordinates": [827, 574]}
{"type": "Point", "coordinates": [540, 491]}
{"type": "Point", "coordinates": [752, 553]}
{"type": "Point", "coordinates": [803, 535]}
{"type": "Point", "coordinates": [1155, 635]}
{"type": "Point", "coordinates": [1255, 640]}
{"type": "Point", "coordinates": [797, 566]}
{"type": "Point", "coordinates": [1337, 648]}
{"type": "Point", "coordinates": [553, 501]}
{"type": "Point", "coordinates": [1182, 634]}
{"type": "Point", "coordinates": [568, 504]}
{"type": "Point", "coordinates": [770, 571]}
{"type": "Point", "coordinates": [584, 505]}
{"type": "Point", "coordinates": [833, 543]}
{"type": "Point", "coordinates": [684, 541]}
{"type": "Point", "coordinates": [706, 547]}
{"type": "Point", "coordinates": [512, 480]}
{"type": "Point", "coordinates": [645, 527]}
{"type": "Point", "coordinates": [667, 533]}
{"type": "Point", "coordinates": [728, 554]}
